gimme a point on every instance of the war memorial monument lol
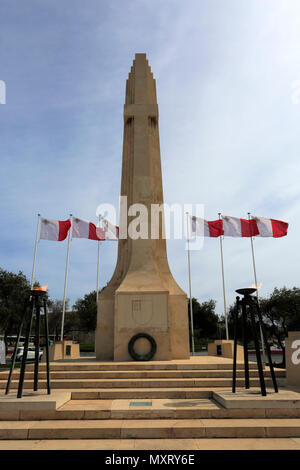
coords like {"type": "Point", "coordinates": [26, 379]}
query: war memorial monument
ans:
{"type": "Point", "coordinates": [142, 295]}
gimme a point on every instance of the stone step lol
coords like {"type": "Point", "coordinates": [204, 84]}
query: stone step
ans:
{"type": "Point", "coordinates": [123, 393]}
{"type": "Point", "coordinates": [137, 383]}
{"type": "Point", "coordinates": [150, 429]}
{"type": "Point", "coordinates": [157, 444]}
{"type": "Point", "coordinates": [211, 364]}
{"type": "Point", "coordinates": [83, 375]}
{"type": "Point", "coordinates": [173, 408]}
{"type": "Point", "coordinates": [203, 408]}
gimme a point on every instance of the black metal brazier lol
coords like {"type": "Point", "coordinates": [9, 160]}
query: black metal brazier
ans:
{"type": "Point", "coordinates": [249, 305]}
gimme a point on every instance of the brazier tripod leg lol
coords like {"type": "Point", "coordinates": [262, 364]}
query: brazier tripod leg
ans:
{"type": "Point", "coordinates": [13, 359]}
{"type": "Point", "coordinates": [267, 347]}
{"type": "Point", "coordinates": [37, 344]}
{"type": "Point", "coordinates": [245, 341]}
{"type": "Point", "coordinates": [258, 357]}
{"type": "Point", "coordinates": [47, 347]}
{"type": "Point", "coordinates": [235, 345]}
{"type": "Point", "coordinates": [25, 353]}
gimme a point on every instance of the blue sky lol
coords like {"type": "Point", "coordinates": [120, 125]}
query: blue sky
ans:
{"type": "Point", "coordinates": [227, 76]}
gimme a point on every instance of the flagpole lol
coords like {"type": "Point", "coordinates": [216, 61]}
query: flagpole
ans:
{"type": "Point", "coordinates": [65, 286]}
{"type": "Point", "coordinates": [35, 248]}
{"type": "Point", "coordinates": [255, 280]}
{"type": "Point", "coordinates": [190, 285]}
{"type": "Point", "coordinates": [223, 282]}
{"type": "Point", "coordinates": [98, 264]}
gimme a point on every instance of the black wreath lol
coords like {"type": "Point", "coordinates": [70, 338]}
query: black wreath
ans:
{"type": "Point", "coordinates": [142, 357]}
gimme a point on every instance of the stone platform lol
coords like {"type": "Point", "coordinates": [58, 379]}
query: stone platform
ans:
{"type": "Point", "coordinates": [252, 399]}
{"type": "Point", "coordinates": [180, 404]}
{"type": "Point", "coordinates": [33, 401]}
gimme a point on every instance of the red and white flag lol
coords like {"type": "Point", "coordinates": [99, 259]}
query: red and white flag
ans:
{"type": "Point", "coordinates": [205, 228]}
{"type": "Point", "coordinates": [271, 227]}
{"type": "Point", "coordinates": [84, 229]}
{"type": "Point", "coordinates": [235, 227]}
{"type": "Point", "coordinates": [54, 229]}
{"type": "Point", "coordinates": [111, 231]}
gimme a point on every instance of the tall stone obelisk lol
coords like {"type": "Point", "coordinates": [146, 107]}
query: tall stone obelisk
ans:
{"type": "Point", "coordinates": [142, 296]}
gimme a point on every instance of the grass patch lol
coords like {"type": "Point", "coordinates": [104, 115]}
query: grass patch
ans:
{"type": "Point", "coordinates": [87, 347]}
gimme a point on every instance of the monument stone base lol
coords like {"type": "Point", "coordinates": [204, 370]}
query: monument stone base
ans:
{"type": "Point", "coordinates": [224, 348]}
{"type": "Point", "coordinates": [62, 350]}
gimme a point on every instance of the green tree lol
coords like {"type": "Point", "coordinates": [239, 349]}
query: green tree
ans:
{"type": "Point", "coordinates": [55, 316]}
{"type": "Point", "coordinates": [205, 319]}
{"type": "Point", "coordinates": [14, 290]}
{"type": "Point", "coordinates": [86, 310]}
{"type": "Point", "coordinates": [281, 313]}
{"type": "Point", "coordinates": [71, 323]}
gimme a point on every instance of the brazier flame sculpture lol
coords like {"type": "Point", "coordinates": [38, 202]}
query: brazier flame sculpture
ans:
{"type": "Point", "coordinates": [33, 304]}
{"type": "Point", "coordinates": [249, 305]}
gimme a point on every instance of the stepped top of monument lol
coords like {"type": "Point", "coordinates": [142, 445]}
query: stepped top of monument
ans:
{"type": "Point", "coordinates": [140, 86]}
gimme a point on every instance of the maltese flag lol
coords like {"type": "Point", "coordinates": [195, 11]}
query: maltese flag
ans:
{"type": "Point", "coordinates": [111, 231]}
{"type": "Point", "coordinates": [234, 227]}
{"type": "Point", "coordinates": [84, 229]}
{"type": "Point", "coordinates": [205, 228]}
{"type": "Point", "coordinates": [56, 230]}
{"type": "Point", "coordinates": [271, 227]}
